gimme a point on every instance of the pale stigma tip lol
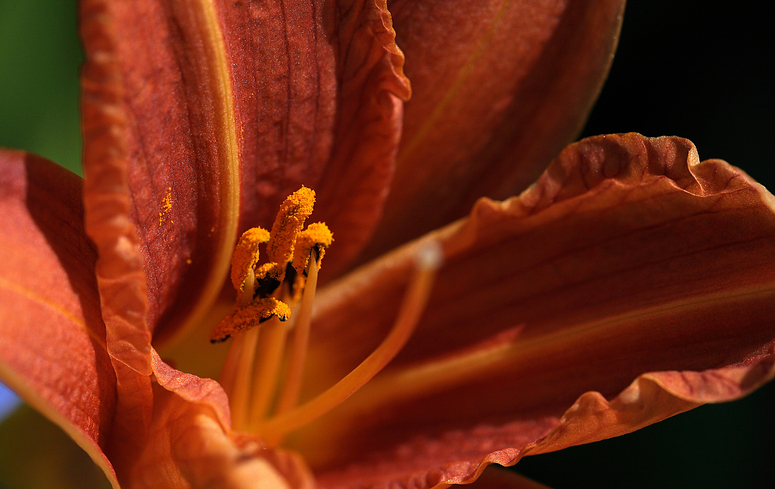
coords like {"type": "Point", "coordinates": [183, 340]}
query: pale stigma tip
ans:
{"type": "Point", "coordinates": [429, 255]}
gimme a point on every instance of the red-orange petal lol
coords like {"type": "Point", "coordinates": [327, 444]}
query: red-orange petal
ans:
{"type": "Point", "coordinates": [200, 117]}
{"type": "Point", "coordinates": [160, 163]}
{"type": "Point", "coordinates": [371, 88]}
{"type": "Point", "coordinates": [187, 441]}
{"type": "Point", "coordinates": [628, 256]}
{"type": "Point", "coordinates": [52, 338]}
{"type": "Point", "coordinates": [321, 92]}
{"type": "Point", "coordinates": [499, 88]}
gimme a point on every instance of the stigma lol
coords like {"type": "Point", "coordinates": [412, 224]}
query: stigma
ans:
{"type": "Point", "coordinates": [269, 326]}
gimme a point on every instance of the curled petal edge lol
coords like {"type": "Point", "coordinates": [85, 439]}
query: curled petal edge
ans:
{"type": "Point", "coordinates": [373, 91]}
{"type": "Point", "coordinates": [651, 398]}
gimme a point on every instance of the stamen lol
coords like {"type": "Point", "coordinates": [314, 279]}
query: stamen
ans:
{"type": "Point", "coordinates": [293, 212]}
{"type": "Point", "coordinates": [241, 393]}
{"type": "Point", "coordinates": [228, 377]}
{"type": "Point", "coordinates": [290, 393]}
{"type": "Point", "coordinates": [415, 299]}
{"type": "Point", "coordinates": [235, 376]}
{"type": "Point", "coordinates": [270, 271]}
{"type": "Point", "coordinates": [267, 369]}
{"type": "Point", "coordinates": [317, 236]}
{"type": "Point", "coordinates": [254, 362]}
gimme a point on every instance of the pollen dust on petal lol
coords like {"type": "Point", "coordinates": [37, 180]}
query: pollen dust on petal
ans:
{"type": "Point", "coordinates": [166, 207]}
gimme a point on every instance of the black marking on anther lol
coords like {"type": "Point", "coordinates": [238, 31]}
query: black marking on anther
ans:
{"type": "Point", "coordinates": [220, 340]}
{"type": "Point", "coordinates": [266, 287]}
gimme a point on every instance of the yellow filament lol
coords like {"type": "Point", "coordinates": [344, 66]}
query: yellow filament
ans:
{"type": "Point", "coordinates": [316, 238]}
{"type": "Point", "coordinates": [414, 302]}
{"type": "Point", "coordinates": [236, 373]}
{"type": "Point", "coordinates": [242, 393]}
{"type": "Point", "coordinates": [267, 368]}
{"type": "Point", "coordinates": [290, 393]}
{"type": "Point", "coordinates": [252, 370]}
{"type": "Point", "coordinates": [228, 375]}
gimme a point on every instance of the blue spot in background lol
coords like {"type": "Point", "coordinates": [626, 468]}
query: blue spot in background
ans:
{"type": "Point", "coordinates": [8, 401]}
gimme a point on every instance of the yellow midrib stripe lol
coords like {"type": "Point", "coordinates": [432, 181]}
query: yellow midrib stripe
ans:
{"type": "Point", "coordinates": [419, 380]}
{"type": "Point", "coordinates": [228, 152]}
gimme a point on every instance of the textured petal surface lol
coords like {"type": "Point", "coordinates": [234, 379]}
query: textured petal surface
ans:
{"type": "Point", "coordinates": [200, 117]}
{"type": "Point", "coordinates": [160, 162]}
{"type": "Point", "coordinates": [500, 87]}
{"type": "Point", "coordinates": [52, 338]}
{"type": "Point", "coordinates": [319, 90]}
{"type": "Point", "coordinates": [628, 256]}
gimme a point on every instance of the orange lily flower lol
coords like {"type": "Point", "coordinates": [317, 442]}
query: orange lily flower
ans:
{"type": "Point", "coordinates": [631, 282]}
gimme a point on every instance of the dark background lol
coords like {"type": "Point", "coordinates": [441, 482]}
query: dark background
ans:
{"type": "Point", "coordinates": [701, 70]}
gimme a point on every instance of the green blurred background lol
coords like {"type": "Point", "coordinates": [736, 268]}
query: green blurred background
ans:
{"type": "Point", "coordinates": [39, 59]}
{"type": "Point", "coordinates": [696, 69]}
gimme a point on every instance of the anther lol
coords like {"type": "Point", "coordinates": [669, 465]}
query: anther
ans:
{"type": "Point", "coordinates": [245, 255]}
{"type": "Point", "coordinates": [317, 236]}
{"type": "Point", "coordinates": [310, 243]}
{"type": "Point", "coordinates": [270, 272]}
{"type": "Point", "coordinates": [293, 212]}
{"type": "Point", "coordinates": [256, 359]}
{"type": "Point", "coordinates": [245, 317]}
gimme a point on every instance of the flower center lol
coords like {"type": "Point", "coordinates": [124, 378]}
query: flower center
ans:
{"type": "Point", "coordinates": [270, 323]}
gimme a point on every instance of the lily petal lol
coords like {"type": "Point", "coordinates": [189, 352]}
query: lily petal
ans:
{"type": "Point", "coordinates": [52, 338]}
{"type": "Point", "coordinates": [500, 87]}
{"type": "Point", "coordinates": [323, 91]}
{"type": "Point", "coordinates": [160, 162]}
{"type": "Point", "coordinates": [629, 256]}
{"type": "Point", "coordinates": [199, 117]}
{"type": "Point", "coordinates": [187, 440]}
